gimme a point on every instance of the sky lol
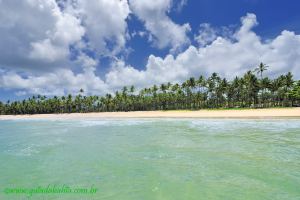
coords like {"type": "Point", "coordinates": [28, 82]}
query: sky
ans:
{"type": "Point", "coordinates": [57, 47]}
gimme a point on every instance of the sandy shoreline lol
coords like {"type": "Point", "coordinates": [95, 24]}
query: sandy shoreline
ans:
{"type": "Point", "coordinates": [247, 113]}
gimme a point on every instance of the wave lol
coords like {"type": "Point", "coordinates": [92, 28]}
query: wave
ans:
{"type": "Point", "coordinates": [30, 149]}
{"type": "Point", "coordinates": [224, 125]}
{"type": "Point", "coordinates": [127, 122]}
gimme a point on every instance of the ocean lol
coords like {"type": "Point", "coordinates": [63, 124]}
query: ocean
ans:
{"type": "Point", "coordinates": [141, 159]}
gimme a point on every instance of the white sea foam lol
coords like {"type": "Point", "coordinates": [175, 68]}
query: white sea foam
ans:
{"type": "Point", "coordinates": [211, 125]}
{"type": "Point", "coordinates": [130, 122]}
{"type": "Point", "coordinates": [22, 151]}
{"type": "Point", "coordinates": [225, 125]}
{"type": "Point", "coordinates": [34, 148]}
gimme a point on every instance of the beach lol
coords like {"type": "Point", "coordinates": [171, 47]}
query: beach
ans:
{"type": "Point", "coordinates": [238, 113]}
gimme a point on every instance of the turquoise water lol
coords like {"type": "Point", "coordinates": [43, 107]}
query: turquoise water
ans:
{"type": "Point", "coordinates": [141, 159]}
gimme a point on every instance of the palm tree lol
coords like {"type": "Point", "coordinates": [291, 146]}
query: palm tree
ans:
{"type": "Point", "coordinates": [265, 85]}
{"type": "Point", "coordinates": [251, 88]}
{"type": "Point", "coordinates": [261, 68]}
{"type": "Point", "coordinates": [288, 85]}
{"type": "Point", "coordinates": [212, 92]}
{"type": "Point", "coordinates": [191, 84]}
{"type": "Point", "coordinates": [294, 94]}
{"type": "Point", "coordinates": [201, 83]}
{"type": "Point", "coordinates": [69, 103]}
{"type": "Point", "coordinates": [132, 89]}
{"type": "Point", "coordinates": [162, 97]}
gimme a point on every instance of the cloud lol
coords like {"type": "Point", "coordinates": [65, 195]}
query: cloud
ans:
{"type": "Point", "coordinates": [164, 32]}
{"type": "Point", "coordinates": [206, 35]}
{"type": "Point", "coordinates": [227, 55]}
{"type": "Point", "coordinates": [104, 22]}
{"type": "Point", "coordinates": [60, 82]}
{"type": "Point", "coordinates": [181, 4]}
{"type": "Point", "coordinates": [36, 34]}
{"type": "Point", "coordinates": [36, 37]}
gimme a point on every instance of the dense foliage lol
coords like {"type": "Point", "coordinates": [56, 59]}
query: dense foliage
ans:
{"type": "Point", "coordinates": [248, 91]}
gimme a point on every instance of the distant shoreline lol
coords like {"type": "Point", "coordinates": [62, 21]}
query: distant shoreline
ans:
{"type": "Point", "coordinates": [226, 113]}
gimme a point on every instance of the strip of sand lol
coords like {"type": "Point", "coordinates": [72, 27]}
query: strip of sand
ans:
{"type": "Point", "coordinates": [240, 113]}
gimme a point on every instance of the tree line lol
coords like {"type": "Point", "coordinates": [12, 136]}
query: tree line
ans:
{"type": "Point", "coordinates": [252, 90]}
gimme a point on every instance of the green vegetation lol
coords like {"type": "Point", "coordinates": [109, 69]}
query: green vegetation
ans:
{"type": "Point", "coordinates": [247, 91]}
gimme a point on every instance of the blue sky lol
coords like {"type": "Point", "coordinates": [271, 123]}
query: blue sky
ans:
{"type": "Point", "coordinates": [57, 47]}
{"type": "Point", "coordinates": [274, 16]}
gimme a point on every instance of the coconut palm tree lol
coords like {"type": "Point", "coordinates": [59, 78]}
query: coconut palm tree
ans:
{"type": "Point", "coordinates": [260, 69]}
{"type": "Point", "coordinates": [294, 94]}
{"type": "Point", "coordinates": [212, 92]}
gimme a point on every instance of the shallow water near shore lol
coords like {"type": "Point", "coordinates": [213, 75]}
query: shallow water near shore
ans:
{"type": "Point", "coordinates": [153, 158]}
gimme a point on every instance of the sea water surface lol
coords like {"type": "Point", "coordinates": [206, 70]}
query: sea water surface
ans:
{"type": "Point", "coordinates": [141, 159]}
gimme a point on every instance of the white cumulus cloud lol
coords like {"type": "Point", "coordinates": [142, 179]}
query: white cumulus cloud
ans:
{"type": "Point", "coordinates": [228, 56]}
{"type": "Point", "coordinates": [105, 23]}
{"type": "Point", "coordinates": [60, 82]}
{"type": "Point", "coordinates": [164, 32]}
{"type": "Point", "coordinates": [34, 33]}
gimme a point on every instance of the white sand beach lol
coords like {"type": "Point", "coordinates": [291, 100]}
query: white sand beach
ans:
{"type": "Point", "coordinates": [240, 113]}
